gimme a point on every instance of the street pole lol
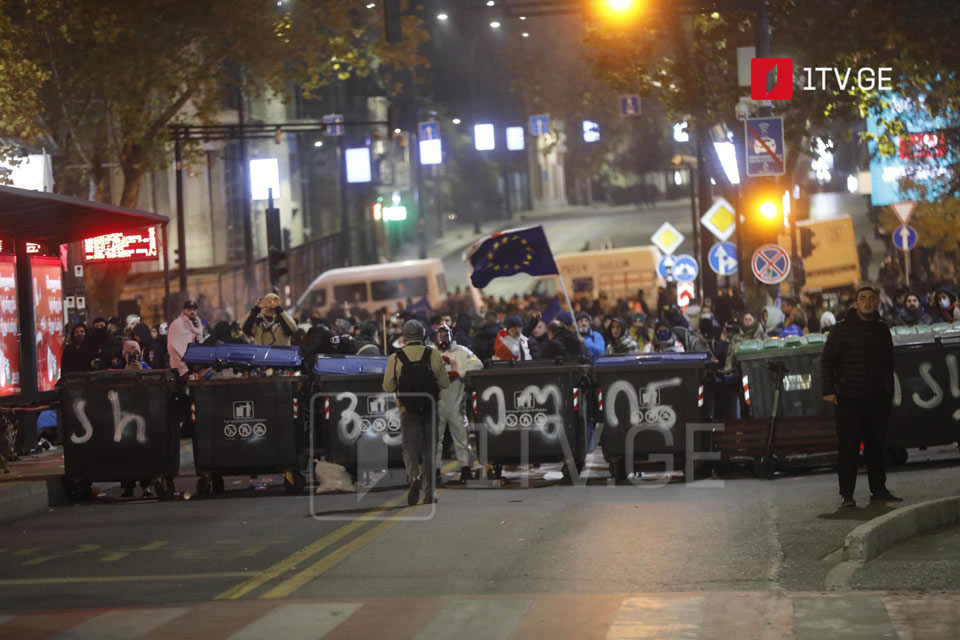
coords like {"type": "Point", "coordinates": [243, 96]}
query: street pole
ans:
{"type": "Point", "coordinates": [248, 261]}
{"type": "Point", "coordinates": [181, 224]}
{"type": "Point", "coordinates": [346, 243]}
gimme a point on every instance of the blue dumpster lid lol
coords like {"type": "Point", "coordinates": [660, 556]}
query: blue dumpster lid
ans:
{"type": "Point", "coordinates": [697, 357]}
{"type": "Point", "coordinates": [346, 365]}
{"type": "Point", "coordinates": [253, 355]}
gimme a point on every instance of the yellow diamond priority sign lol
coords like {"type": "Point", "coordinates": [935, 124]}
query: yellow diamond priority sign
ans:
{"type": "Point", "coordinates": [667, 238]}
{"type": "Point", "coordinates": [720, 219]}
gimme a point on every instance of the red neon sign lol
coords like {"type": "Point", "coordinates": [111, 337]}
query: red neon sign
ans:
{"type": "Point", "coordinates": [135, 246]}
{"type": "Point", "coordinates": [915, 146]}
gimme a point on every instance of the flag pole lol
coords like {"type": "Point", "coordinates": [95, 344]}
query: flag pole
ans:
{"type": "Point", "coordinates": [566, 295]}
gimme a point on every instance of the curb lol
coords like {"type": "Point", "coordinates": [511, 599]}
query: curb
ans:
{"type": "Point", "coordinates": [23, 499]}
{"type": "Point", "coordinates": [873, 538]}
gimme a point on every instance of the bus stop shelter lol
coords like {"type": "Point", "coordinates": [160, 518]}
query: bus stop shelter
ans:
{"type": "Point", "coordinates": [45, 218]}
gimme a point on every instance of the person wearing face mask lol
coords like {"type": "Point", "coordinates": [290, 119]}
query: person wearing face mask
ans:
{"type": "Point", "coordinates": [945, 309]}
{"type": "Point", "coordinates": [77, 354]}
{"type": "Point", "coordinates": [183, 331]}
{"type": "Point", "coordinates": [268, 324]}
{"type": "Point", "coordinates": [592, 339]}
{"type": "Point", "coordinates": [912, 313]}
{"type": "Point", "coordinates": [664, 340]}
{"type": "Point", "coordinates": [459, 360]}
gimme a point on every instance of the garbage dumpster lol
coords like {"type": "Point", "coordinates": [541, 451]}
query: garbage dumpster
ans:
{"type": "Point", "coordinates": [530, 412]}
{"type": "Point", "coordinates": [247, 425]}
{"type": "Point", "coordinates": [926, 396]}
{"type": "Point", "coordinates": [121, 426]}
{"type": "Point", "coordinates": [801, 394]}
{"type": "Point", "coordinates": [646, 401]}
{"type": "Point", "coordinates": [357, 422]}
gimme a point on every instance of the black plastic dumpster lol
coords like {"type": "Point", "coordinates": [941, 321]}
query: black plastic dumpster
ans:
{"type": "Point", "coordinates": [646, 401]}
{"type": "Point", "coordinates": [120, 426]}
{"type": "Point", "coordinates": [247, 422]}
{"type": "Point", "coordinates": [357, 422]}
{"type": "Point", "coordinates": [926, 398]}
{"type": "Point", "coordinates": [530, 412]}
{"type": "Point", "coordinates": [802, 393]}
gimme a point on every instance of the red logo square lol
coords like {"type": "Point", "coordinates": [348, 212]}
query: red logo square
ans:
{"type": "Point", "coordinates": [760, 70]}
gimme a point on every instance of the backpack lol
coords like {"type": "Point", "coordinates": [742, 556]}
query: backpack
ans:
{"type": "Point", "coordinates": [417, 378]}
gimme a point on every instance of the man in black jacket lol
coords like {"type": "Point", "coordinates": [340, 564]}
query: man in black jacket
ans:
{"type": "Point", "coordinates": [857, 371]}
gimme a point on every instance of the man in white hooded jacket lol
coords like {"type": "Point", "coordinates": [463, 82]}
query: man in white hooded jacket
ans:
{"type": "Point", "coordinates": [459, 361]}
{"type": "Point", "coordinates": [185, 329]}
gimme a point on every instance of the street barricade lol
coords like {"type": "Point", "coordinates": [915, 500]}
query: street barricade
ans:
{"type": "Point", "coordinates": [530, 412]}
{"type": "Point", "coordinates": [119, 426]}
{"type": "Point", "coordinates": [246, 414]}
{"type": "Point", "coordinates": [926, 394]}
{"type": "Point", "coordinates": [645, 403]}
{"type": "Point", "coordinates": [356, 422]}
{"type": "Point", "coordinates": [801, 393]}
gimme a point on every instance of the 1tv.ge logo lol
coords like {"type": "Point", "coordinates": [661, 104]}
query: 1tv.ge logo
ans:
{"type": "Point", "coordinates": [772, 79]}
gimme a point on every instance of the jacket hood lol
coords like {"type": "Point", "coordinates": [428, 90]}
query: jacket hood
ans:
{"type": "Point", "coordinates": [774, 315]}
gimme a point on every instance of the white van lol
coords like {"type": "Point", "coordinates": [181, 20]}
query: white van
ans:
{"type": "Point", "coordinates": [375, 286]}
{"type": "Point", "coordinates": [619, 273]}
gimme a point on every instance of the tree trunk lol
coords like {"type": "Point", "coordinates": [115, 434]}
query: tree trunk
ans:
{"type": "Point", "coordinates": [106, 282]}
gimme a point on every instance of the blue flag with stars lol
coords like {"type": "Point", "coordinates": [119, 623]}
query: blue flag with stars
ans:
{"type": "Point", "coordinates": [506, 253]}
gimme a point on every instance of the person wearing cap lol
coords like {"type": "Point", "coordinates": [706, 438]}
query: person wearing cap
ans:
{"type": "Point", "coordinates": [511, 344]}
{"type": "Point", "coordinates": [183, 331]}
{"type": "Point", "coordinates": [856, 368]}
{"type": "Point", "coordinates": [268, 324]}
{"type": "Point", "coordinates": [459, 361]}
{"type": "Point", "coordinates": [417, 429]}
{"type": "Point", "coordinates": [592, 339]}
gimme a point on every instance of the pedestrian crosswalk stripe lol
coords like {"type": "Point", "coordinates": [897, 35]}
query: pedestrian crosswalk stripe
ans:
{"type": "Point", "coordinates": [298, 621]}
{"type": "Point", "coordinates": [861, 618]}
{"type": "Point", "coordinates": [655, 618]}
{"type": "Point", "coordinates": [491, 619]}
{"type": "Point", "coordinates": [125, 624]}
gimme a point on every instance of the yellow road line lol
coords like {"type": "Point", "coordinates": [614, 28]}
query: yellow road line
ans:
{"type": "Point", "coordinates": [16, 582]}
{"type": "Point", "coordinates": [311, 550]}
{"type": "Point", "coordinates": [288, 586]}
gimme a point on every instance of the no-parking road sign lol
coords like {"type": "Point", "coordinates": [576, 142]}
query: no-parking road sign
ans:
{"type": "Point", "coordinates": [770, 264]}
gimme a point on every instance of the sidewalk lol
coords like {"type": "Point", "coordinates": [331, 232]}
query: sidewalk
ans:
{"type": "Point", "coordinates": [35, 482]}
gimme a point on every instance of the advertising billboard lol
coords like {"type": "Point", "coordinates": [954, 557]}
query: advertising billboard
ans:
{"type": "Point", "coordinates": [133, 246]}
{"type": "Point", "coordinates": [48, 298]}
{"type": "Point", "coordinates": [9, 324]}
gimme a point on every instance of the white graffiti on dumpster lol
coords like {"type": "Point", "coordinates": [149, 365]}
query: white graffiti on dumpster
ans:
{"type": "Point", "coordinates": [378, 421]}
{"type": "Point", "coordinates": [120, 421]}
{"type": "Point", "coordinates": [530, 410]}
{"type": "Point", "coordinates": [926, 374]}
{"type": "Point", "coordinates": [644, 402]}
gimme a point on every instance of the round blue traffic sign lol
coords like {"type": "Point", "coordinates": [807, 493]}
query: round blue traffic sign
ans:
{"type": "Point", "coordinates": [665, 266]}
{"type": "Point", "coordinates": [905, 238]}
{"type": "Point", "coordinates": [685, 268]}
{"type": "Point", "coordinates": [723, 258]}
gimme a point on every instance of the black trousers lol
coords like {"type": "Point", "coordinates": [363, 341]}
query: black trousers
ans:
{"type": "Point", "coordinates": [862, 420]}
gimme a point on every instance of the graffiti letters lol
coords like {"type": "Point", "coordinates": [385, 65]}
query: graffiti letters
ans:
{"type": "Point", "coordinates": [120, 421]}
{"type": "Point", "coordinates": [530, 410]}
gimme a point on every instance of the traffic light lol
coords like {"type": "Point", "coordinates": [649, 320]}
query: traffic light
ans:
{"type": "Point", "coordinates": [763, 213]}
{"type": "Point", "coordinates": [275, 253]}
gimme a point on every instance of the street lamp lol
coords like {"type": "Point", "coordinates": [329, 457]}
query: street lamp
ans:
{"type": "Point", "coordinates": [442, 16]}
{"type": "Point", "coordinates": [495, 25]}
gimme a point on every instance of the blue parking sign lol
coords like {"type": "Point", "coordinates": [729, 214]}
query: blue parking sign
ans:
{"type": "Point", "coordinates": [766, 152]}
{"type": "Point", "coordinates": [429, 130]}
{"type": "Point", "coordinates": [630, 105]}
{"type": "Point", "coordinates": [539, 124]}
{"type": "Point", "coordinates": [723, 258]}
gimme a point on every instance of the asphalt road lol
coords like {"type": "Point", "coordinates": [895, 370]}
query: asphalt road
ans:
{"type": "Point", "coordinates": [551, 538]}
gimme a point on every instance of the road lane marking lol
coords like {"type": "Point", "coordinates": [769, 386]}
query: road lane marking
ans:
{"type": "Point", "coordinates": [492, 619]}
{"type": "Point", "coordinates": [121, 625]}
{"type": "Point", "coordinates": [119, 555]}
{"type": "Point", "coordinates": [311, 550]}
{"type": "Point", "coordinates": [298, 621]}
{"type": "Point", "coordinates": [332, 559]}
{"type": "Point", "coordinates": [18, 582]}
{"type": "Point", "coordinates": [653, 617]}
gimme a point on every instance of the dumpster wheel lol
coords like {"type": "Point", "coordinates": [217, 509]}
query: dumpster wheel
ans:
{"type": "Point", "coordinates": [218, 487]}
{"type": "Point", "coordinates": [294, 481]}
{"type": "Point", "coordinates": [163, 487]}
{"type": "Point", "coordinates": [78, 489]}
{"type": "Point", "coordinates": [204, 486]}
{"type": "Point", "coordinates": [765, 466]}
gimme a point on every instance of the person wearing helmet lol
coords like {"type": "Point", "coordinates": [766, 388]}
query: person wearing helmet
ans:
{"type": "Point", "coordinates": [459, 361]}
{"type": "Point", "coordinates": [268, 324]}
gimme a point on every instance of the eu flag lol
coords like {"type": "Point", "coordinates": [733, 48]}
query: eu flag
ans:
{"type": "Point", "coordinates": [506, 253]}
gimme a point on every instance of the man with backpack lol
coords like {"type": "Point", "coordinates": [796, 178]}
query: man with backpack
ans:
{"type": "Point", "coordinates": [417, 373]}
